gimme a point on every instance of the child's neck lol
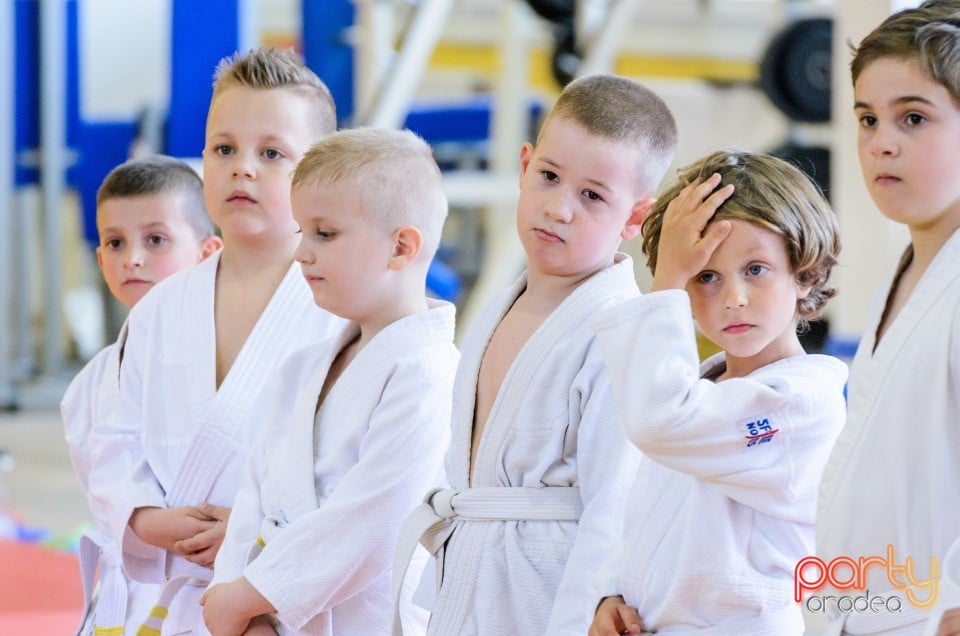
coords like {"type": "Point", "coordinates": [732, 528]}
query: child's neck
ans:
{"type": "Point", "coordinates": [741, 367]}
{"type": "Point", "coordinates": [402, 304]}
{"type": "Point", "coordinates": [548, 290]}
{"type": "Point", "coordinates": [243, 257]}
{"type": "Point", "coordinates": [926, 246]}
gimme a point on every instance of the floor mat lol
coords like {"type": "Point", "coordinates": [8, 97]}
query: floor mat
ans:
{"type": "Point", "coordinates": [41, 591]}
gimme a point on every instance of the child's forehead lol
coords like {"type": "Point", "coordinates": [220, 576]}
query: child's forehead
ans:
{"type": "Point", "coordinates": [166, 208]}
{"type": "Point", "coordinates": [263, 111]}
{"type": "Point", "coordinates": [563, 130]}
{"type": "Point", "coordinates": [889, 71]}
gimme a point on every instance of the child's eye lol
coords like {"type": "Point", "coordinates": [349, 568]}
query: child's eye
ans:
{"type": "Point", "coordinates": [325, 235]}
{"type": "Point", "coordinates": [113, 243]}
{"type": "Point", "coordinates": [156, 239]}
{"type": "Point", "coordinates": [593, 196]}
{"type": "Point", "coordinates": [706, 277]}
{"type": "Point", "coordinates": [223, 150]}
{"type": "Point", "coordinates": [868, 121]}
{"type": "Point", "coordinates": [756, 270]}
{"type": "Point", "coordinates": [272, 153]}
{"type": "Point", "coordinates": [915, 119]}
{"type": "Point", "coordinates": [548, 175]}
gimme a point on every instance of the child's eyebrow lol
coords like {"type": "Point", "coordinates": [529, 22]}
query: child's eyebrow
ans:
{"type": "Point", "coordinates": [906, 99]}
{"type": "Point", "coordinates": [596, 182]}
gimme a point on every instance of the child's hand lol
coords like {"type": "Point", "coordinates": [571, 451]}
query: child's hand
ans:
{"type": "Point", "coordinates": [260, 626]}
{"type": "Point", "coordinates": [202, 547]}
{"type": "Point", "coordinates": [687, 239]}
{"type": "Point", "coordinates": [950, 623]}
{"type": "Point", "coordinates": [615, 617]}
{"type": "Point", "coordinates": [164, 527]}
{"type": "Point", "coordinates": [229, 608]}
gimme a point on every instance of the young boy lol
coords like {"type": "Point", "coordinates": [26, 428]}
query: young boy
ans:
{"type": "Point", "coordinates": [359, 422]}
{"type": "Point", "coordinates": [152, 223]}
{"type": "Point", "coordinates": [538, 463]}
{"type": "Point", "coordinates": [892, 479]}
{"type": "Point", "coordinates": [723, 511]}
{"type": "Point", "coordinates": [168, 463]}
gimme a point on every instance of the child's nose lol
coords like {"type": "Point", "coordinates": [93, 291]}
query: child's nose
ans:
{"type": "Point", "coordinates": [243, 166]}
{"type": "Point", "coordinates": [558, 206]}
{"type": "Point", "coordinates": [134, 257]}
{"type": "Point", "coordinates": [884, 141]}
{"type": "Point", "coordinates": [734, 295]}
{"type": "Point", "coordinates": [301, 254]}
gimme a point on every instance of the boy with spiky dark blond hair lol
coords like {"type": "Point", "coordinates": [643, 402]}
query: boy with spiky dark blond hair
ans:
{"type": "Point", "coordinates": [167, 464]}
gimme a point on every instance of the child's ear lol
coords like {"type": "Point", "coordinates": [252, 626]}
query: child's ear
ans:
{"type": "Point", "coordinates": [638, 213]}
{"type": "Point", "coordinates": [526, 156]}
{"type": "Point", "coordinates": [407, 243]}
{"type": "Point", "coordinates": [208, 246]}
{"type": "Point", "coordinates": [100, 257]}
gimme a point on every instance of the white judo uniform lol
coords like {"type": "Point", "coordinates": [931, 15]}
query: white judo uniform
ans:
{"type": "Point", "coordinates": [91, 398]}
{"type": "Point", "coordinates": [327, 490]}
{"type": "Point", "coordinates": [723, 507]}
{"type": "Point", "coordinates": [519, 546]}
{"type": "Point", "coordinates": [894, 475]}
{"type": "Point", "coordinates": [175, 438]}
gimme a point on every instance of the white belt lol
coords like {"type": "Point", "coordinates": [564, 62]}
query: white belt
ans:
{"type": "Point", "coordinates": [432, 522]}
{"type": "Point", "coordinates": [180, 572]}
{"type": "Point", "coordinates": [109, 611]}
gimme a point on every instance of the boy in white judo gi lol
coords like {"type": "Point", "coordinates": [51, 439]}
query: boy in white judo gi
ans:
{"type": "Point", "coordinates": [893, 478]}
{"type": "Point", "coordinates": [357, 426]}
{"type": "Point", "coordinates": [724, 503]}
{"type": "Point", "coordinates": [152, 222]}
{"type": "Point", "coordinates": [168, 463]}
{"type": "Point", "coordinates": [538, 463]}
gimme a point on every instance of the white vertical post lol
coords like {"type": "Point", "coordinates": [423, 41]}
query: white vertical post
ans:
{"type": "Point", "coordinates": [400, 82]}
{"type": "Point", "coordinates": [53, 38]}
{"type": "Point", "coordinates": [603, 45]}
{"type": "Point", "coordinates": [7, 149]}
{"type": "Point", "coordinates": [373, 49]}
{"type": "Point", "coordinates": [504, 256]}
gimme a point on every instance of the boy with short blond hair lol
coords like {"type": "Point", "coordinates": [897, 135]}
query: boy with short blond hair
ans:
{"type": "Point", "coordinates": [152, 223]}
{"type": "Point", "coordinates": [538, 463]}
{"type": "Point", "coordinates": [893, 474]}
{"type": "Point", "coordinates": [358, 424]}
{"type": "Point", "coordinates": [167, 465]}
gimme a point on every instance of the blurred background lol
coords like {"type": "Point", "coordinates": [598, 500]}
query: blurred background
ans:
{"type": "Point", "coordinates": [87, 84]}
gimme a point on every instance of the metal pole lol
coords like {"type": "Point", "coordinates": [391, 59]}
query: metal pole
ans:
{"type": "Point", "coordinates": [400, 82]}
{"type": "Point", "coordinates": [374, 49]}
{"type": "Point", "coordinates": [52, 165]}
{"type": "Point", "coordinates": [605, 44]}
{"type": "Point", "coordinates": [8, 398]}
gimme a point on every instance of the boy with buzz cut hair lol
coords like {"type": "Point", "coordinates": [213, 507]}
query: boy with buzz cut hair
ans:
{"type": "Point", "coordinates": [152, 222]}
{"type": "Point", "coordinates": [167, 464]}
{"type": "Point", "coordinates": [892, 479]}
{"type": "Point", "coordinates": [358, 424]}
{"type": "Point", "coordinates": [723, 506]}
{"type": "Point", "coordinates": [538, 463]}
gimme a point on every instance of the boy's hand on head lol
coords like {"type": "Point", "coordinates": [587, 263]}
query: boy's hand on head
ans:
{"type": "Point", "coordinates": [950, 623]}
{"type": "Point", "coordinates": [202, 547]}
{"type": "Point", "coordinates": [229, 608]}
{"type": "Point", "coordinates": [164, 527]}
{"type": "Point", "coordinates": [687, 238]}
{"type": "Point", "coordinates": [615, 617]}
